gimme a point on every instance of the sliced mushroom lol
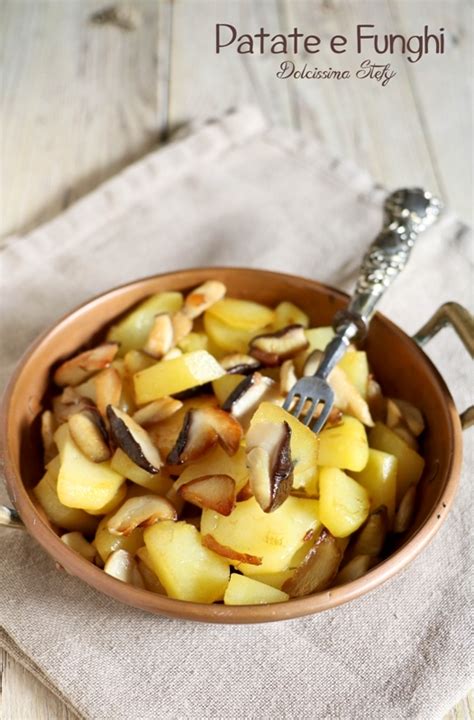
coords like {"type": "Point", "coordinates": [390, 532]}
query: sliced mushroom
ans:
{"type": "Point", "coordinates": [122, 566]}
{"type": "Point", "coordinates": [406, 511]}
{"type": "Point", "coordinates": [248, 394]}
{"type": "Point", "coordinates": [318, 569]}
{"type": "Point", "coordinates": [182, 326]}
{"type": "Point", "coordinates": [157, 411]}
{"type": "Point", "coordinates": [355, 568]}
{"type": "Point", "coordinates": [160, 339]}
{"type": "Point", "coordinates": [195, 438]}
{"type": "Point", "coordinates": [394, 416]}
{"type": "Point", "coordinates": [202, 297]}
{"type": "Point", "coordinates": [108, 389]}
{"type": "Point", "coordinates": [375, 400]}
{"type": "Point", "coordinates": [245, 493]}
{"type": "Point", "coordinates": [68, 403]}
{"type": "Point", "coordinates": [48, 428]}
{"type": "Point", "coordinates": [150, 579]}
{"type": "Point", "coordinates": [202, 428]}
{"type": "Point", "coordinates": [211, 543]}
{"type": "Point", "coordinates": [82, 366]}
{"type": "Point", "coordinates": [77, 542]}
{"type": "Point", "coordinates": [403, 432]}
{"type": "Point", "coordinates": [215, 492]}
{"type": "Point", "coordinates": [90, 435]}
{"type": "Point", "coordinates": [269, 463]}
{"type": "Point", "coordinates": [287, 376]}
{"type": "Point", "coordinates": [347, 397]}
{"type": "Point", "coordinates": [371, 537]}
{"type": "Point", "coordinates": [239, 364]}
{"type": "Point", "coordinates": [173, 353]}
{"type": "Point", "coordinates": [133, 440]}
{"type": "Point", "coordinates": [140, 511]}
{"type": "Point", "coordinates": [273, 348]}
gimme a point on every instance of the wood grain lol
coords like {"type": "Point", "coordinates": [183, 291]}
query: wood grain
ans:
{"type": "Point", "coordinates": [79, 102]}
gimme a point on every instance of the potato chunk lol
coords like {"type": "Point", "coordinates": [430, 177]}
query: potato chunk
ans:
{"type": "Point", "coordinates": [186, 569]}
{"type": "Point", "coordinates": [286, 313]}
{"type": "Point", "coordinates": [344, 445]}
{"type": "Point", "coordinates": [355, 365]}
{"type": "Point", "coordinates": [131, 333]}
{"type": "Point", "coordinates": [226, 337]}
{"type": "Point", "coordinates": [303, 445]}
{"type": "Point", "coordinates": [343, 503]}
{"type": "Point", "coordinates": [59, 514]}
{"type": "Point", "coordinates": [410, 464]}
{"type": "Point", "coordinates": [172, 376]}
{"type": "Point", "coordinates": [243, 314]}
{"type": "Point", "coordinates": [158, 483]}
{"type": "Point", "coordinates": [242, 590]}
{"type": "Point", "coordinates": [274, 537]}
{"type": "Point", "coordinates": [107, 543]}
{"type": "Point", "coordinates": [82, 483]}
{"type": "Point", "coordinates": [379, 478]}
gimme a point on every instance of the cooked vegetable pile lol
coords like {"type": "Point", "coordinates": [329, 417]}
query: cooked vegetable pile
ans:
{"type": "Point", "coordinates": [171, 464]}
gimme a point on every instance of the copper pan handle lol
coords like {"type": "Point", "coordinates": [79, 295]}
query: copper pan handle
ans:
{"type": "Point", "coordinates": [454, 315]}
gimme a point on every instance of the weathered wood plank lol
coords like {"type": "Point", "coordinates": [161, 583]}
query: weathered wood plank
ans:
{"type": "Point", "coordinates": [24, 698]}
{"type": "Point", "coordinates": [79, 102]}
{"type": "Point", "coordinates": [203, 83]}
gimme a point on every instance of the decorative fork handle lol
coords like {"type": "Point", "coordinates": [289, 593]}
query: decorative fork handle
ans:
{"type": "Point", "coordinates": [408, 212]}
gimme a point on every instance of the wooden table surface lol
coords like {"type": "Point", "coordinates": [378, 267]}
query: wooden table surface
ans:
{"type": "Point", "coordinates": [80, 101]}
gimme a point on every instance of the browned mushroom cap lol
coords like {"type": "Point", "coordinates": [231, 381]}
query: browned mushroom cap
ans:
{"type": "Point", "coordinates": [202, 297]}
{"type": "Point", "coordinates": [318, 569]}
{"type": "Point", "coordinates": [211, 543]}
{"type": "Point", "coordinates": [141, 511]}
{"type": "Point", "coordinates": [161, 336]}
{"type": "Point", "coordinates": [79, 368]}
{"type": "Point", "coordinates": [248, 394]}
{"type": "Point", "coordinates": [90, 434]}
{"type": "Point", "coordinates": [133, 440]}
{"type": "Point", "coordinates": [202, 428]}
{"type": "Point", "coordinates": [239, 364]}
{"type": "Point", "coordinates": [272, 348]}
{"type": "Point", "coordinates": [269, 463]}
{"type": "Point", "coordinates": [214, 492]}
{"type": "Point", "coordinates": [108, 389]}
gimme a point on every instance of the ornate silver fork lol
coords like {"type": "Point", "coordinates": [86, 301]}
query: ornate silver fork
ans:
{"type": "Point", "coordinates": [408, 212]}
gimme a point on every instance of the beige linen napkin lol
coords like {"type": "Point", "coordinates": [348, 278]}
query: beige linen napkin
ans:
{"type": "Point", "coordinates": [237, 192]}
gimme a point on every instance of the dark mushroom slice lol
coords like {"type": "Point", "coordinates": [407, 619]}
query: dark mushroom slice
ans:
{"type": "Point", "coordinates": [202, 428]}
{"type": "Point", "coordinates": [141, 511]}
{"type": "Point", "coordinates": [370, 539]}
{"type": "Point", "coordinates": [195, 438]}
{"type": "Point", "coordinates": [239, 364]}
{"type": "Point", "coordinates": [161, 336]}
{"type": "Point", "coordinates": [273, 348]}
{"type": "Point", "coordinates": [197, 390]}
{"type": "Point", "coordinates": [318, 569]}
{"type": "Point", "coordinates": [90, 435]}
{"type": "Point", "coordinates": [82, 366]}
{"type": "Point", "coordinates": [270, 464]}
{"type": "Point", "coordinates": [202, 297]}
{"type": "Point", "coordinates": [211, 543]}
{"type": "Point", "coordinates": [214, 492]}
{"type": "Point", "coordinates": [248, 395]}
{"type": "Point", "coordinates": [133, 440]}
